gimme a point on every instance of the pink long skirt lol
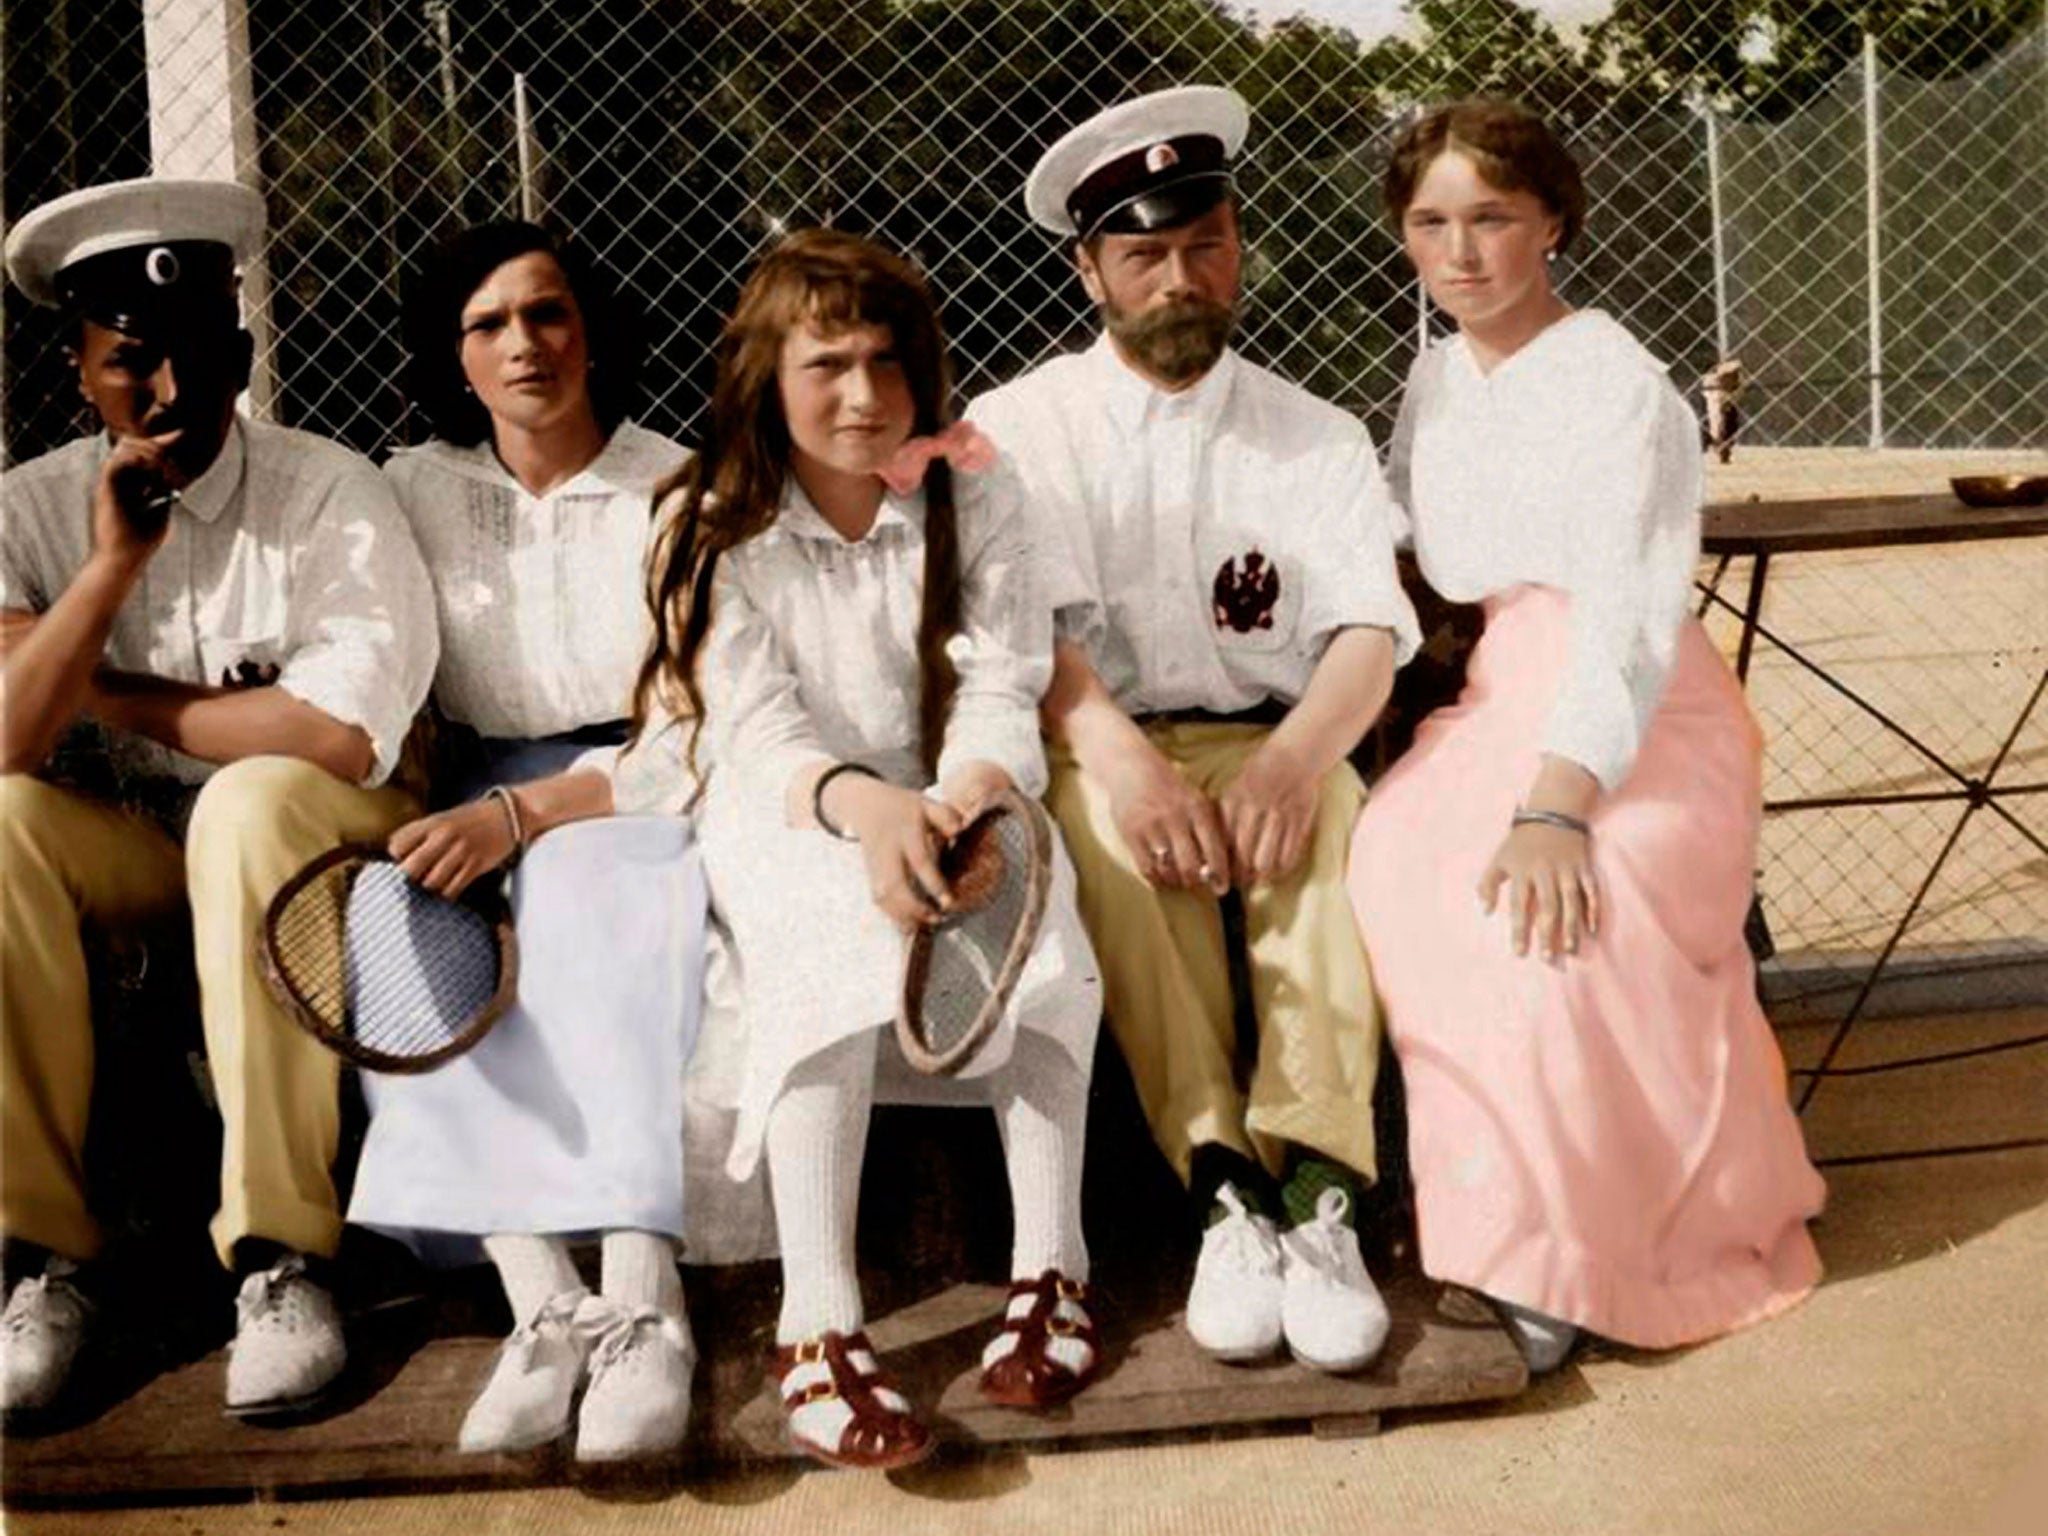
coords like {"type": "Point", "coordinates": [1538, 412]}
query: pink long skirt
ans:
{"type": "Point", "coordinates": [1606, 1138]}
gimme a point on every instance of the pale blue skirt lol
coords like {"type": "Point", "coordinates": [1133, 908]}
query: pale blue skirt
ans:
{"type": "Point", "coordinates": [567, 1117]}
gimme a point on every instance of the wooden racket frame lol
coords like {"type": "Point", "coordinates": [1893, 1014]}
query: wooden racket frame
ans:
{"type": "Point", "coordinates": [301, 1012]}
{"type": "Point", "coordinates": [917, 952]}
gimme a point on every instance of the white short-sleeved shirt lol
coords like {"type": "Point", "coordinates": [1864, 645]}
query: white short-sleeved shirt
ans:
{"type": "Point", "coordinates": [812, 651]}
{"type": "Point", "coordinates": [1573, 465]}
{"type": "Point", "coordinates": [289, 552]}
{"type": "Point", "coordinates": [541, 599]}
{"type": "Point", "coordinates": [1201, 546]}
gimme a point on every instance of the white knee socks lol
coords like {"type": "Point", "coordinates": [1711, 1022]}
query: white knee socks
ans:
{"type": "Point", "coordinates": [533, 1268]}
{"type": "Point", "coordinates": [817, 1138]}
{"type": "Point", "coordinates": [640, 1271]}
{"type": "Point", "coordinates": [1041, 1105]}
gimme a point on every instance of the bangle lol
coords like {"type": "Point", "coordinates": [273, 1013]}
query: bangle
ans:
{"type": "Point", "coordinates": [818, 796]}
{"type": "Point", "coordinates": [1524, 816]}
{"type": "Point", "coordinates": [510, 807]}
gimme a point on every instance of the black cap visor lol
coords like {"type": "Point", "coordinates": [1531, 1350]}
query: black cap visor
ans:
{"type": "Point", "coordinates": [1163, 206]}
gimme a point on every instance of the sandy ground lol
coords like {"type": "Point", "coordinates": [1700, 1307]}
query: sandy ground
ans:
{"type": "Point", "coordinates": [1948, 640]}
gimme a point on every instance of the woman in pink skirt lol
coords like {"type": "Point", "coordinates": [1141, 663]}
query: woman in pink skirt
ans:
{"type": "Point", "coordinates": [1552, 880]}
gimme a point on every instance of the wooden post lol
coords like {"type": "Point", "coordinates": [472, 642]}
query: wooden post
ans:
{"type": "Point", "coordinates": [202, 123]}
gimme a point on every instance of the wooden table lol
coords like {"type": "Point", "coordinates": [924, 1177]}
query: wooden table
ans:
{"type": "Point", "coordinates": [1761, 530]}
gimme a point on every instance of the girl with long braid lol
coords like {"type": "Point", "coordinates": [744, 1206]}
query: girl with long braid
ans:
{"type": "Point", "coordinates": [855, 632]}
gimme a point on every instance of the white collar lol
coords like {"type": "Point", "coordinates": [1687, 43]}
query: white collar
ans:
{"type": "Point", "coordinates": [610, 473]}
{"type": "Point", "coordinates": [1129, 398]}
{"type": "Point", "coordinates": [801, 519]}
{"type": "Point", "coordinates": [207, 497]}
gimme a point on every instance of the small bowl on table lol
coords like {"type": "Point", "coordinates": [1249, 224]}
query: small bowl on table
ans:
{"type": "Point", "coordinates": [2000, 490]}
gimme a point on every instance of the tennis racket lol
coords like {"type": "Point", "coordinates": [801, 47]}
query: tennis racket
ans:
{"type": "Point", "coordinates": [382, 971]}
{"type": "Point", "coordinates": [958, 974]}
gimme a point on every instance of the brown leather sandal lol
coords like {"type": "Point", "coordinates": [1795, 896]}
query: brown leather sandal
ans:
{"type": "Point", "coordinates": [1027, 1377]}
{"type": "Point", "coordinates": [877, 1434]}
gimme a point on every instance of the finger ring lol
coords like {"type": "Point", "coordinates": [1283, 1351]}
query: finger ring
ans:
{"type": "Point", "coordinates": [1206, 873]}
{"type": "Point", "coordinates": [1161, 853]}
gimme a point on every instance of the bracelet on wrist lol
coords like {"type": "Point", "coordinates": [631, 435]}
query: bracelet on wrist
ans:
{"type": "Point", "coordinates": [818, 797]}
{"type": "Point", "coordinates": [510, 807]}
{"type": "Point", "coordinates": [1526, 817]}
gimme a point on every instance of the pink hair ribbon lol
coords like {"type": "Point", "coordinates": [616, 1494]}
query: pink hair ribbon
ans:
{"type": "Point", "coordinates": [961, 445]}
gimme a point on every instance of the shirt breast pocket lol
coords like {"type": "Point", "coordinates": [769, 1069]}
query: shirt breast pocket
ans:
{"type": "Point", "coordinates": [241, 660]}
{"type": "Point", "coordinates": [1253, 591]}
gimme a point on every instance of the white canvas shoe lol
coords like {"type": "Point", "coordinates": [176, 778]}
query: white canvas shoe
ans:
{"type": "Point", "coordinates": [1234, 1303]}
{"type": "Point", "coordinates": [288, 1346]}
{"type": "Point", "coordinates": [1332, 1313]}
{"type": "Point", "coordinates": [39, 1337]}
{"type": "Point", "coordinates": [638, 1401]}
{"type": "Point", "coordinates": [1544, 1340]}
{"type": "Point", "coordinates": [532, 1386]}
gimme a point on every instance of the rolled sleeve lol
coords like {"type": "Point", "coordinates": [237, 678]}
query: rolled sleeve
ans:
{"type": "Point", "coordinates": [1043, 462]}
{"type": "Point", "coordinates": [1003, 652]}
{"type": "Point", "coordinates": [363, 641]}
{"type": "Point", "coordinates": [1354, 582]}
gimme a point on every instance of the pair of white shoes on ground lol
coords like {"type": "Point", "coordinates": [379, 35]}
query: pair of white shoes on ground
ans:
{"type": "Point", "coordinates": [287, 1349]}
{"type": "Point", "coordinates": [633, 1364]}
{"type": "Point", "coordinates": [1255, 1287]}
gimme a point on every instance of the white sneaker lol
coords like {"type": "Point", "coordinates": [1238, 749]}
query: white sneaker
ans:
{"type": "Point", "coordinates": [1334, 1318]}
{"type": "Point", "coordinates": [1544, 1340]}
{"type": "Point", "coordinates": [288, 1345]}
{"type": "Point", "coordinates": [39, 1337]}
{"type": "Point", "coordinates": [638, 1401]}
{"type": "Point", "coordinates": [533, 1383]}
{"type": "Point", "coordinates": [1234, 1304]}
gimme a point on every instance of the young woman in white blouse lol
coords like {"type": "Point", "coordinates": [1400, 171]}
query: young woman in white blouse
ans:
{"type": "Point", "coordinates": [533, 508]}
{"type": "Point", "coordinates": [865, 661]}
{"type": "Point", "coordinates": [1552, 880]}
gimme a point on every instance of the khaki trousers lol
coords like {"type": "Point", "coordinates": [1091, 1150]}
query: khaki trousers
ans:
{"type": "Point", "coordinates": [1167, 982]}
{"type": "Point", "coordinates": [65, 859]}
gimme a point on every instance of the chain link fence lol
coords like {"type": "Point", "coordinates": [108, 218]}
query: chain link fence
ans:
{"type": "Point", "coordinates": [1852, 198]}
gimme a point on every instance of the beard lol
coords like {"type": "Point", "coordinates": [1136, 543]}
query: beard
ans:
{"type": "Point", "coordinates": [1178, 341]}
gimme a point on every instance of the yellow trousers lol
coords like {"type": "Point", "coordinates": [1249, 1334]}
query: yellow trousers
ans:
{"type": "Point", "coordinates": [66, 859]}
{"type": "Point", "coordinates": [1167, 981]}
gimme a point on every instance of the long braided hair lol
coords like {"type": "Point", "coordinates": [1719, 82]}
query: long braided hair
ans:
{"type": "Point", "coordinates": [733, 488]}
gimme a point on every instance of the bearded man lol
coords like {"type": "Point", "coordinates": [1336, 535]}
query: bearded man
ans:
{"type": "Point", "coordinates": [1219, 549]}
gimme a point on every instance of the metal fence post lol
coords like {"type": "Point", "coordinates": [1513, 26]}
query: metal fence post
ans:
{"type": "Point", "coordinates": [1873, 205]}
{"type": "Point", "coordinates": [1722, 348]}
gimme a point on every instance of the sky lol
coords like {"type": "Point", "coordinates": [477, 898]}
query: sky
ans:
{"type": "Point", "coordinates": [1371, 20]}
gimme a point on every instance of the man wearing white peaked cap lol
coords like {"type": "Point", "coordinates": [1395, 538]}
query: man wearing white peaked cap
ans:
{"type": "Point", "coordinates": [1220, 558]}
{"type": "Point", "coordinates": [231, 621]}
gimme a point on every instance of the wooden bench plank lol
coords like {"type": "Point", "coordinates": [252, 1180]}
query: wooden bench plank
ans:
{"type": "Point", "coordinates": [395, 1420]}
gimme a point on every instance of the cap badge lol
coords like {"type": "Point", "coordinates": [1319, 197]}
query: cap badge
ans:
{"type": "Point", "coordinates": [1160, 158]}
{"type": "Point", "coordinates": [160, 266]}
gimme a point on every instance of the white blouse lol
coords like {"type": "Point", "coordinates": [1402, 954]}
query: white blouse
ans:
{"type": "Point", "coordinates": [812, 651]}
{"type": "Point", "coordinates": [541, 599]}
{"type": "Point", "coordinates": [1573, 465]}
{"type": "Point", "coordinates": [288, 553]}
{"type": "Point", "coordinates": [1204, 545]}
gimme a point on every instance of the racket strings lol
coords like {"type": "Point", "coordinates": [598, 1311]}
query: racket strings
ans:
{"type": "Point", "coordinates": [382, 965]}
{"type": "Point", "coordinates": [970, 950]}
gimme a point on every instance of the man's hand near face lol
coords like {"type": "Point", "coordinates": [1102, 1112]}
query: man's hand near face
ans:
{"type": "Point", "coordinates": [134, 497]}
{"type": "Point", "coordinates": [168, 406]}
